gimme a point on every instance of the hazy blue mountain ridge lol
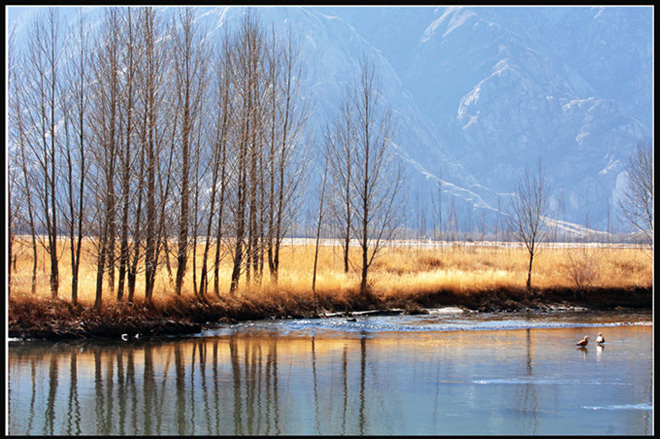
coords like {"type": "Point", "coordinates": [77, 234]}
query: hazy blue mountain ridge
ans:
{"type": "Point", "coordinates": [478, 93]}
{"type": "Point", "coordinates": [506, 86]}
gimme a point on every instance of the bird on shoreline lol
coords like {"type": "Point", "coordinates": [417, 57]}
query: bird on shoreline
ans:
{"type": "Point", "coordinates": [600, 339]}
{"type": "Point", "coordinates": [582, 343]}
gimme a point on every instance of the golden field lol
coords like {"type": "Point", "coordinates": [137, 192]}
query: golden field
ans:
{"type": "Point", "coordinates": [400, 271]}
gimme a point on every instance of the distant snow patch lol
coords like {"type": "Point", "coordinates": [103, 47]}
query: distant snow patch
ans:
{"type": "Point", "coordinates": [473, 119]}
{"type": "Point", "coordinates": [611, 165]}
{"type": "Point", "coordinates": [581, 136]}
{"type": "Point", "coordinates": [459, 18]}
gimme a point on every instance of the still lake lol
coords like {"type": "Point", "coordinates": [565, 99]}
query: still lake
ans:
{"type": "Point", "coordinates": [443, 373]}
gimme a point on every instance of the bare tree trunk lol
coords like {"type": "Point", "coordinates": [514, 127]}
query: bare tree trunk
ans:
{"type": "Point", "coordinates": [218, 169]}
{"type": "Point", "coordinates": [273, 73]}
{"type": "Point", "coordinates": [53, 232]}
{"type": "Point", "coordinates": [319, 223]}
{"type": "Point", "coordinates": [75, 122]}
{"type": "Point", "coordinates": [137, 235]}
{"type": "Point", "coordinates": [240, 227]}
{"type": "Point", "coordinates": [15, 136]}
{"type": "Point", "coordinates": [43, 56]}
{"type": "Point", "coordinates": [10, 229]}
{"type": "Point", "coordinates": [294, 117]}
{"type": "Point", "coordinates": [190, 71]}
{"type": "Point", "coordinates": [245, 62]}
{"type": "Point", "coordinates": [224, 174]}
{"type": "Point", "coordinates": [185, 158]}
{"type": "Point", "coordinates": [81, 188]}
{"type": "Point", "coordinates": [221, 205]}
{"type": "Point", "coordinates": [15, 101]}
{"type": "Point", "coordinates": [529, 272]}
{"type": "Point", "coordinates": [151, 74]}
{"type": "Point", "coordinates": [28, 198]}
{"type": "Point", "coordinates": [341, 171]}
{"type": "Point", "coordinates": [107, 95]}
{"type": "Point", "coordinates": [162, 238]}
{"type": "Point", "coordinates": [100, 264]}
{"type": "Point", "coordinates": [127, 158]}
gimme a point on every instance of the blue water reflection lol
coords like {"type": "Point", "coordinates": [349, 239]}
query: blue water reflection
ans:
{"type": "Point", "coordinates": [486, 374]}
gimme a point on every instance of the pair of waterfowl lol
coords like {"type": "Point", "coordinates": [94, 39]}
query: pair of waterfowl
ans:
{"type": "Point", "coordinates": [124, 337]}
{"type": "Point", "coordinates": [599, 340]}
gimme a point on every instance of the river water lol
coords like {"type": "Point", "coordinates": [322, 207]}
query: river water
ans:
{"type": "Point", "coordinates": [444, 373]}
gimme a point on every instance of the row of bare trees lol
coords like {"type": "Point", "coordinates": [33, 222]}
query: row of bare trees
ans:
{"type": "Point", "coordinates": [365, 178]}
{"type": "Point", "coordinates": [149, 137]}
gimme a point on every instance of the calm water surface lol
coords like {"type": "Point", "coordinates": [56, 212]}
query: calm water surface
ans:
{"type": "Point", "coordinates": [445, 373]}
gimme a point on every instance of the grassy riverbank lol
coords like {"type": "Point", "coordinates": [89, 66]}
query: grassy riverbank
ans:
{"type": "Point", "coordinates": [407, 278]}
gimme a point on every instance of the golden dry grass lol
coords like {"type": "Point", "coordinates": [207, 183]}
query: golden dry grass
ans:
{"type": "Point", "coordinates": [398, 272]}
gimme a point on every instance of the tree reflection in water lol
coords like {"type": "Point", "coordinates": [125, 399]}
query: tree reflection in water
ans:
{"type": "Point", "coordinates": [261, 384]}
{"type": "Point", "coordinates": [227, 385]}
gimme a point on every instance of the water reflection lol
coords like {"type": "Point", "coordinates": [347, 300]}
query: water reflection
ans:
{"type": "Point", "coordinates": [258, 384]}
{"type": "Point", "coordinates": [526, 394]}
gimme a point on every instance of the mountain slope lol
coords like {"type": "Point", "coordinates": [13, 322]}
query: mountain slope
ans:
{"type": "Point", "coordinates": [479, 93]}
{"type": "Point", "coordinates": [504, 87]}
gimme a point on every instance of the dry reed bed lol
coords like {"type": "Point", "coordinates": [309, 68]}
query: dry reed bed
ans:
{"type": "Point", "coordinates": [408, 277]}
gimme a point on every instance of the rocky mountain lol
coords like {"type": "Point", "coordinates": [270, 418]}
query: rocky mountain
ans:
{"type": "Point", "coordinates": [332, 49]}
{"type": "Point", "coordinates": [506, 86]}
{"type": "Point", "coordinates": [479, 93]}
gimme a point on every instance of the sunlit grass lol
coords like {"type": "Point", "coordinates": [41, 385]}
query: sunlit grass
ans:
{"type": "Point", "coordinates": [398, 272]}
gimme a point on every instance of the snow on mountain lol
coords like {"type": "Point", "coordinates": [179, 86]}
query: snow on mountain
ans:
{"type": "Point", "coordinates": [505, 86]}
{"type": "Point", "coordinates": [331, 51]}
{"type": "Point", "coordinates": [478, 93]}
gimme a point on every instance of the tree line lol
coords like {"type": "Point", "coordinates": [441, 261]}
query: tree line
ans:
{"type": "Point", "coordinates": [148, 138]}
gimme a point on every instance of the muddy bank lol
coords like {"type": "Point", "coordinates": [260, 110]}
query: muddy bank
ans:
{"type": "Point", "coordinates": [58, 319]}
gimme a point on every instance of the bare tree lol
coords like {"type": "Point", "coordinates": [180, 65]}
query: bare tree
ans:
{"type": "Point", "coordinates": [246, 65]}
{"type": "Point", "coordinates": [377, 178]}
{"type": "Point", "coordinates": [136, 58]}
{"type": "Point", "coordinates": [267, 126]}
{"type": "Point", "coordinates": [151, 95]}
{"type": "Point", "coordinates": [527, 210]}
{"type": "Point", "coordinates": [437, 213]}
{"type": "Point", "coordinates": [190, 61]}
{"type": "Point", "coordinates": [18, 122]}
{"type": "Point", "coordinates": [637, 201]}
{"type": "Point", "coordinates": [218, 162]}
{"type": "Point", "coordinates": [289, 120]}
{"type": "Point", "coordinates": [256, 86]}
{"type": "Point", "coordinates": [106, 138]}
{"type": "Point", "coordinates": [221, 145]}
{"type": "Point", "coordinates": [75, 124]}
{"type": "Point", "coordinates": [13, 157]}
{"type": "Point", "coordinates": [341, 171]}
{"type": "Point", "coordinates": [45, 49]}
{"type": "Point", "coordinates": [321, 211]}
{"type": "Point", "coordinates": [129, 54]}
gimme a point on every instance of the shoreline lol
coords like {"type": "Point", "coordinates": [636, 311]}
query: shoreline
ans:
{"type": "Point", "coordinates": [57, 319]}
